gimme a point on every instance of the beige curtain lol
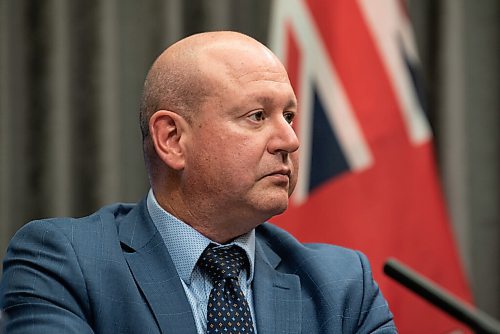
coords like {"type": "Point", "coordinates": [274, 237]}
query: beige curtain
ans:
{"type": "Point", "coordinates": [71, 74]}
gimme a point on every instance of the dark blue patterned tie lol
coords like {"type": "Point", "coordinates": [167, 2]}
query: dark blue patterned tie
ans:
{"type": "Point", "coordinates": [227, 309]}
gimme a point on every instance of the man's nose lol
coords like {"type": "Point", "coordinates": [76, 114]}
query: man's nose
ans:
{"type": "Point", "coordinates": [283, 138]}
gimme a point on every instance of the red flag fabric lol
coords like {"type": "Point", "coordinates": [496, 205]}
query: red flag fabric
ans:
{"type": "Point", "coordinates": [367, 179]}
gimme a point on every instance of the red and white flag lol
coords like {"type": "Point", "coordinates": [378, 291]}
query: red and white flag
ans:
{"type": "Point", "coordinates": [367, 179]}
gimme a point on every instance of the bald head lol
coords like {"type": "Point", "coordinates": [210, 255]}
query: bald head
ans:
{"type": "Point", "coordinates": [181, 78]}
{"type": "Point", "coordinates": [193, 70]}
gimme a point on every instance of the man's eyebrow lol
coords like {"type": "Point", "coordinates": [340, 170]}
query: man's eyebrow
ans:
{"type": "Point", "coordinates": [266, 100]}
{"type": "Point", "coordinates": [292, 104]}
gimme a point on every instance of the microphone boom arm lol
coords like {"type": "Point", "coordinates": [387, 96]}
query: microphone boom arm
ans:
{"type": "Point", "coordinates": [472, 317]}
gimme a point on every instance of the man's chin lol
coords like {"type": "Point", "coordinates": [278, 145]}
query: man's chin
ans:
{"type": "Point", "coordinates": [269, 201]}
{"type": "Point", "coordinates": [274, 209]}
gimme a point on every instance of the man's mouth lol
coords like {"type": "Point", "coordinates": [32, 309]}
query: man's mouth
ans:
{"type": "Point", "coordinates": [280, 175]}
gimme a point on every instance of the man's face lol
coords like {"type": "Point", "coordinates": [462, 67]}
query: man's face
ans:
{"type": "Point", "coordinates": [243, 150]}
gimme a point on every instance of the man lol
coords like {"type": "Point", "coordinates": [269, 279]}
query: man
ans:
{"type": "Point", "coordinates": [221, 155]}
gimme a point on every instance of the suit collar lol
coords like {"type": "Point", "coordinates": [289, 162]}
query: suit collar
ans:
{"type": "Point", "coordinates": [154, 272]}
{"type": "Point", "coordinates": [135, 228]}
{"type": "Point", "coordinates": [277, 297]}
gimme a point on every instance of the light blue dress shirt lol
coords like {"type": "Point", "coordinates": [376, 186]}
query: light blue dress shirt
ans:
{"type": "Point", "coordinates": [185, 246]}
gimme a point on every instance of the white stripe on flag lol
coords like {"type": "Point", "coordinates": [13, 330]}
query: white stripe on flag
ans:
{"type": "Point", "coordinates": [317, 69]}
{"type": "Point", "coordinates": [391, 31]}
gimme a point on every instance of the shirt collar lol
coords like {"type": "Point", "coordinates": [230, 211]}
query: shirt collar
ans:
{"type": "Point", "coordinates": [185, 244]}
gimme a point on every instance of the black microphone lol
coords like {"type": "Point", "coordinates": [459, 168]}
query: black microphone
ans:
{"type": "Point", "coordinates": [442, 299]}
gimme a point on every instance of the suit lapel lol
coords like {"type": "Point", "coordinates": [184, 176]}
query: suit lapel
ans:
{"type": "Point", "coordinates": [155, 273]}
{"type": "Point", "coordinates": [277, 299]}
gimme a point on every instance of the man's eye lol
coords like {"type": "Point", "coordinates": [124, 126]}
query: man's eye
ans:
{"type": "Point", "coordinates": [289, 116]}
{"type": "Point", "coordinates": [257, 116]}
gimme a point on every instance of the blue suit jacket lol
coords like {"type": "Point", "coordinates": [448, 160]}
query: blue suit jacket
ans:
{"type": "Point", "coordinates": [111, 273]}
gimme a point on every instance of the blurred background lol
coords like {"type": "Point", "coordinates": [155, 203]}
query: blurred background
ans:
{"type": "Point", "coordinates": [71, 74]}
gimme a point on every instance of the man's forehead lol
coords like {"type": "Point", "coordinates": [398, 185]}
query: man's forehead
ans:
{"type": "Point", "coordinates": [273, 95]}
{"type": "Point", "coordinates": [251, 75]}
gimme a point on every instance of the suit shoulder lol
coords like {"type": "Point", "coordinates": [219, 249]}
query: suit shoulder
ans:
{"type": "Point", "coordinates": [337, 280]}
{"type": "Point", "coordinates": [274, 235]}
{"type": "Point", "coordinates": [72, 228]}
{"type": "Point", "coordinates": [292, 250]}
{"type": "Point", "coordinates": [110, 212]}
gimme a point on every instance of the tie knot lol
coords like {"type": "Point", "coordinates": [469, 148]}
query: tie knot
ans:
{"type": "Point", "coordinates": [223, 262]}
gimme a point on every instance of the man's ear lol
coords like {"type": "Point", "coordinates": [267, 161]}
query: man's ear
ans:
{"type": "Point", "coordinates": [167, 128]}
